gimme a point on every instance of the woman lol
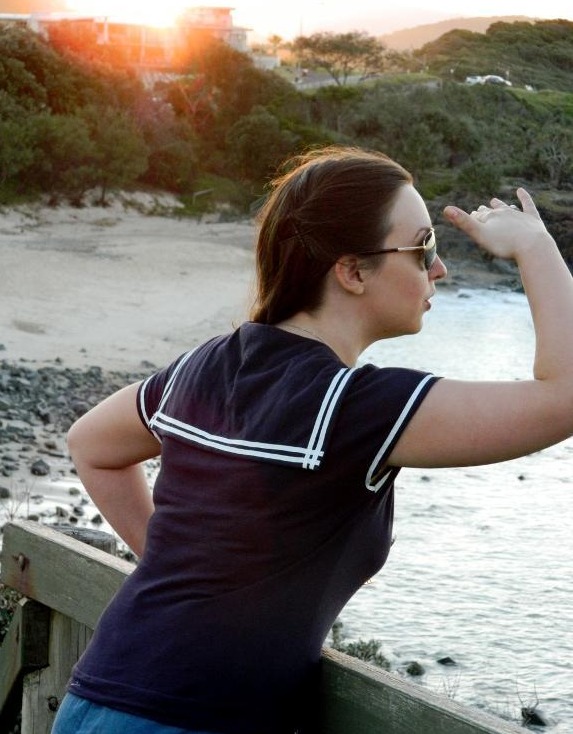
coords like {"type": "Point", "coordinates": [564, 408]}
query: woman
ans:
{"type": "Point", "coordinates": [274, 501]}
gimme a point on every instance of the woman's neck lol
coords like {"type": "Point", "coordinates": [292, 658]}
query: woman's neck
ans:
{"type": "Point", "coordinates": [327, 331]}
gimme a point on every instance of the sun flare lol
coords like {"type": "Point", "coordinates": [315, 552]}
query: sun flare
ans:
{"type": "Point", "coordinates": [149, 13]}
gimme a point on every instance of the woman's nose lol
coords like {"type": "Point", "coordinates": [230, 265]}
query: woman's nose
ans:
{"type": "Point", "coordinates": [438, 269]}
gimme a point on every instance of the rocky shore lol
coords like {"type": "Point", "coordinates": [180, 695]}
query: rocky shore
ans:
{"type": "Point", "coordinates": [38, 404]}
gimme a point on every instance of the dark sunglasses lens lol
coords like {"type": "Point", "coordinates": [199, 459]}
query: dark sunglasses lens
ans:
{"type": "Point", "coordinates": [430, 251]}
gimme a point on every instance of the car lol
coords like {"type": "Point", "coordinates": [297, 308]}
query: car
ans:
{"type": "Point", "coordinates": [494, 79]}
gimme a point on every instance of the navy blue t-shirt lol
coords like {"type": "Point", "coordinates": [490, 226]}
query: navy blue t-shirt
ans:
{"type": "Point", "coordinates": [273, 505]}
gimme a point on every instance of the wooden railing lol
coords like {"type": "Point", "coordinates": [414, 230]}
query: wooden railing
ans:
{"type": "Point", "coordinates": [67, 584]}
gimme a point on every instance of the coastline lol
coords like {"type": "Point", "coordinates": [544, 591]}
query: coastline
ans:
{"type": "Point", "coordinates": [122, 285]}
{"type": "Point", "coordinates": [95, 298]}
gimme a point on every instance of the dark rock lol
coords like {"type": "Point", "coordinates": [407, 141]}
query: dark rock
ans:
{"type": "Point", "coordinates": [446, 661]}
{"type": "Point", "coordinates": [40, 468]}
{"type": "Point", "coordinates": [50, 398]}
{"type": "Point", "coordinates": [532, 717]}
{"type": "Point", "coordinates": [79, 407]}
{"type": "Point", "coordinates": [414, 668]}
{"type": "Point", "coordinates": [44, 414]}
{"type": "Point", "coordinates": [5, 493]}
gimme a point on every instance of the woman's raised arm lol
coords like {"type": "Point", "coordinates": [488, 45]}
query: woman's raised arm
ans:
{"type": "Point", "coordinates": [463, 423]}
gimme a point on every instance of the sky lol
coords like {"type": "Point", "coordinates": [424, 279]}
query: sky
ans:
{"type": "Point", "coordinates": [290, 18]}
{"type": "Point", "coordinates": [303, 17]}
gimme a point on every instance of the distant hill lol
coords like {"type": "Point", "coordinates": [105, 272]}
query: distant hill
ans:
{"type": "Point", "coordinates": [412, 38]}
{"type": "Point", "coordinates": [535, 54]}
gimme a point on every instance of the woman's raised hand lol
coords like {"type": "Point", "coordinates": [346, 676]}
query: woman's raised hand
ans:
{"type": "Point", "coordinates": [502, 230]}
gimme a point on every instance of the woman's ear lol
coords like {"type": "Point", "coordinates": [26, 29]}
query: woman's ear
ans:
{"type": "Point", "coordinates": [348, 274]}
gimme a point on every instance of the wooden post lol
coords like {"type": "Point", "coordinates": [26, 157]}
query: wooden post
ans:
{"type": "Point", "coordinates": [24, 648]}
{"type": "Point", "coordinates": [44, 689]}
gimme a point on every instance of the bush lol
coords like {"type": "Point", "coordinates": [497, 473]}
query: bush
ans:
{"type": "Point", "coordinates": [9, 599]}
{"type": "Point", "coordinates": [483, 179]}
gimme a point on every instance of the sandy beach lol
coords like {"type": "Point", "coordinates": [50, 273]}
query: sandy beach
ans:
{"type": "Point", "coordinates": [117, 286]}
{"type": "Point", "coordinates": [113, 287]}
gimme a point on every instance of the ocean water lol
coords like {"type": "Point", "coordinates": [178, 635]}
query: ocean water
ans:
{"type": "Point", "coordinates": [481, 566]}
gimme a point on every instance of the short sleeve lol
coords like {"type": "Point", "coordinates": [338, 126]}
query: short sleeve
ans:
{"type": "Point", "coordinates": [154, 391]}
{"type": "Point", "coordinates": [377, 408]}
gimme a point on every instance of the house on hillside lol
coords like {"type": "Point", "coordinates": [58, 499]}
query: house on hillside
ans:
{"type": "Point", "coordinates": [143, 46]}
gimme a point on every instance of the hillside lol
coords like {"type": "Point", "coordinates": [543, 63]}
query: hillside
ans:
{"type": "Point", "coordinates": [409, 39]}
{"type": "Point", "coordinates": [537, 54]}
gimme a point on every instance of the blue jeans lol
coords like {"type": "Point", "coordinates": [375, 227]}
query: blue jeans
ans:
{"type": "Point", "coordinates": [79, 716]}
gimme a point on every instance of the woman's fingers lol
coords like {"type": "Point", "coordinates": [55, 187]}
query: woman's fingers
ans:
{"type": "Point", "coordinates": [501, 229]}
{"type": "Point", "coordinates": [527, 202]}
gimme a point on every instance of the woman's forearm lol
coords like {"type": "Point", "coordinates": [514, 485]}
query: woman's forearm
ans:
{"type": "Point", "coordinates": [548, 285]}
{"type": "Point", "coordinates": [123, 498]}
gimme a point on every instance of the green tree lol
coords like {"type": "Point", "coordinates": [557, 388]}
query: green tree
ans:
{"type": "Point", "coordinates": [420, 148]}
{"type": "Point", "coordinates": [16, 152]}
{"type": "Point", "coordinates": [333, 106]}
{"type": "Point", "coordinates": [479, 177]}
{"type": "Point", "coordinates": [275, 42]}
{"type": "Point", "coordinates": [39, 77]}
{"type": "Point", "coordinates": [220, 87]}
{"type": "Point", "coordinates": [341, 54]}
{"type": "Point", "coordinates": [63, 157]}
{"type": "Point", "coordinates": [458, 134]}
{"type": "Point", "coordinates": [120, 151]}
{"type": "Point", "coordinates": [20, 85]}
{"type": "Point", "coordinates": [553, 155]}
{"type": "Point", "coordinates": [173, 146]}
{"type": "Point", "coordinates": [257, 144]}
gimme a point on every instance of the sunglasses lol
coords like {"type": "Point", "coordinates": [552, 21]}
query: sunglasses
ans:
{"type": "Point", "coordinates": [428, 245]}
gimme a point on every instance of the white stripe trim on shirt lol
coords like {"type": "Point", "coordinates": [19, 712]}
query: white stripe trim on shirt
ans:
{"type": "Point", "coordinates": [318, 436]}
{"type": "Point", "coordinates": [164, 395]}
{"type": "Point", "coordinates": [309, 457]}
{"type": "Point", "coordinates": [390, 437]}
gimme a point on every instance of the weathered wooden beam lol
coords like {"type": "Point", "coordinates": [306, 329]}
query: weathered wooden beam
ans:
{"type": "Point", "coordinates": [356, 698]}
{"type": "Point", "coordinates": [63, 573]}
{"type": "Point", "coordinates": [25, 646]}
{"type": "Point", "coordinates": [359, 698]}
